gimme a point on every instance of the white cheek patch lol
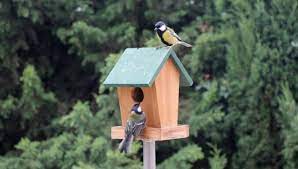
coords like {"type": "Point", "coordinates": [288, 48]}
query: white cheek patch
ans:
{"type": "Point", "coordinates": [139, 109]}
{"type": "Point", "coordinates": [163, 28]}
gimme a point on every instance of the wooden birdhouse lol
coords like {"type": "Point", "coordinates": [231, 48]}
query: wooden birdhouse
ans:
{"type": "Point", "coordinates": [155, 74]}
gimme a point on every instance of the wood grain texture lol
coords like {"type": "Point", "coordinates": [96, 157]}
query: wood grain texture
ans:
{"type": "Point", "coordinates": [160, 104]}
{"type": "Point", "coordinates": [167, 94]}
{"type": "Point", "coordinates": [125, 102]}
{"type": "Point", "coordinates": [149, 105]}
{"type": "Point", "coordinates": [156, 134]}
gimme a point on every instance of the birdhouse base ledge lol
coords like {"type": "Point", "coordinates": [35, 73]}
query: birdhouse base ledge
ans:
{"type": "Point", "coordinates": [156, 134]}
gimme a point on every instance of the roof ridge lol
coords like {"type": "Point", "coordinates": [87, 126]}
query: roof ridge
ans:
{"type": "Point", "coordinates": [139, 67]}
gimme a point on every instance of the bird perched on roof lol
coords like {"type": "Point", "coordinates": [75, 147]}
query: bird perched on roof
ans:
{"type": "Point", "coordinates": [135, 124]}
{"type": "Point", "coordinates": [168, 35]}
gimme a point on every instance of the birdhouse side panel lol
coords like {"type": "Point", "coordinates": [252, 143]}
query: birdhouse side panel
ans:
{"type": "Point", "coordinates": [167, 94]}
{"type": "Point", "coordinates": [149, 105]}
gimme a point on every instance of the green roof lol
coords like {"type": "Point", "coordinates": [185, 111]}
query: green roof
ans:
{"type": "Point", "coordinates": [138, 67]}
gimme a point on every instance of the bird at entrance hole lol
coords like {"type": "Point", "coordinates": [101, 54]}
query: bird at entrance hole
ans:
{"type": "Point", "coordinates": [168, 35]}
{"type": "Point", "coordinates": [135, 124]}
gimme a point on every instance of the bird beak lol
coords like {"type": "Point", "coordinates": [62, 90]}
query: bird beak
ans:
{"type": "Point", "coordinates": [155, 29]}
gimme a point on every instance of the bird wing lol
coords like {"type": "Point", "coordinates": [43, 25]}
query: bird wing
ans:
{"type": "Point", "coordinates": [134, 127]}
{"type": "Point", "coordinates": [173, 33]}
{"type": "Point", "coordinates": [168, 38]}
{"type": "Point", "coordinates": [130, 125]}
{"type": "Point", "coordinates": [140, 125]}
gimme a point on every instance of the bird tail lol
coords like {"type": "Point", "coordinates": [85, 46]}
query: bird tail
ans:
{"type": "Point", "coordinates": [185, 44]}
{"type": "Point", "coordinates": [125, 144]}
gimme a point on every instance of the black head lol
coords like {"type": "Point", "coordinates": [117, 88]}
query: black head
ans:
{"type": "Point", "coordinates": [136, 108]}
{"type": "Point", "coordinates": [160, 25]}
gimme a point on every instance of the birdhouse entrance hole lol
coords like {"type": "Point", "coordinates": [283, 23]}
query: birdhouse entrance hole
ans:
{"type": "Point", "coordinates": [137, 94]}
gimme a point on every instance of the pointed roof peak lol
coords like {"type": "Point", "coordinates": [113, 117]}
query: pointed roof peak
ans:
{"type": "Point", "coordinates": [139, 67]}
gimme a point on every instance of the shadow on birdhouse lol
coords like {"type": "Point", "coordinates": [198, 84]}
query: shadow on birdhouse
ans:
{"type": "Point", "coordinates": [152, 77]}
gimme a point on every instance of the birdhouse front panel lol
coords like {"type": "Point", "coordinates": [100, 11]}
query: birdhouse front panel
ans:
{"type": "Point", "coordinates": [160, 101]}
{"type": "Point", "coordinates": [149, 104]}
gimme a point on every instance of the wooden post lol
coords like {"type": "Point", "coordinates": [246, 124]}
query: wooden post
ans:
{"type": "Point", "coordinates": [149, 159]}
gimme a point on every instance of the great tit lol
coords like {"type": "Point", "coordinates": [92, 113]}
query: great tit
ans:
{"type": "Point", "coordinates": [168, 35]}
{"type": "Point", "coordinates": [135, 124]}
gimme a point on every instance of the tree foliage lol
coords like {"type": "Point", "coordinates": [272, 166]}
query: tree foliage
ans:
{"type": "Point", "coordinates": [242, 108]}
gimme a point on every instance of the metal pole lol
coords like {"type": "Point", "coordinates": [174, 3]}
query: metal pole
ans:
{"type": "Point", "coordinates": [149, 159]}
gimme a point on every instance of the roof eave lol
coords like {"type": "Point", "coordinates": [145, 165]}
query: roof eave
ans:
{"type": "Point", "coordinates": [127, 85]}
{"type": "Point", "coordinates": [185, 79]}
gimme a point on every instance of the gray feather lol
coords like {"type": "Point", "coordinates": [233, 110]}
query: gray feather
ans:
{"type": "Point", "coordinates": [125, 144]}
{"type": "Point", "coordinates": [132, 129]}
{"type": "Point", "coordinates": [183, 44]}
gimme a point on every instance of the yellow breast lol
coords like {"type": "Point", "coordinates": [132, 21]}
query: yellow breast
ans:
{"type": "Point", "coordinates": [169, 38]}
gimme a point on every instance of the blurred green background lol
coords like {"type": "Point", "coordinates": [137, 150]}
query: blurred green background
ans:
{"type": "Point", "coordinates": [242, 108]}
